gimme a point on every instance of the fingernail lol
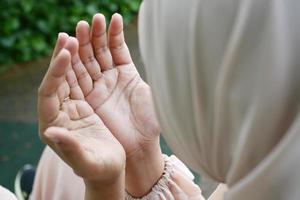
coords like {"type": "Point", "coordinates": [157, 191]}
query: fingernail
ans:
{"type": "Point", "coordinates": [60, 34]}
{"type": "Point", "coordinates": [116, 14]}
{"type": "Point", "coordinates": [99, 14]}
{"type": "Point", "coordinates": [85, 23]}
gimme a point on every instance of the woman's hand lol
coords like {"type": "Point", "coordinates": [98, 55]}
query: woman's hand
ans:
{"type": "Point", "coordinates": [113, 87]}
{"type": "Point", "coordinates": [182, 188]}
{"type": "Point", "coordinates": [69, 125]}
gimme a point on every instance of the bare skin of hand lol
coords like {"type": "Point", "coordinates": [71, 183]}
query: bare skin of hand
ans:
{"type": "Point", "coordinates": [114, 89]}
{"type": "Point", "coordinates": [112, 85]}
{"type": "Point", "coordinates": [69, 125]}
{"type": "Point", "coordinates": [182, 188]}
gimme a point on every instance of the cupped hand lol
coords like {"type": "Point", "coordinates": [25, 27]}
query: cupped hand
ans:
{"type": "Point", "coordinates": [69, 125]}
{"type": "Point", "coordinates": [112, 85]}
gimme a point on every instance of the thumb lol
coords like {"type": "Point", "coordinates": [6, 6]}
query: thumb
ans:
{"type": "Point", "coordinates": [63, 143]}
{"type": "Point", "coordinates": [68, 148]}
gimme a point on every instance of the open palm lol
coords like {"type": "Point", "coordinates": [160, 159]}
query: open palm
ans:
{"type": "Point", "coordinates": [70, 126]}
{"type": "Point", "coordinates": [112, 85]}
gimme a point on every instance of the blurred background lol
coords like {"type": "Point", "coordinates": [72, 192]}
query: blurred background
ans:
{"type": "Point", "coordinates": [29, 27]}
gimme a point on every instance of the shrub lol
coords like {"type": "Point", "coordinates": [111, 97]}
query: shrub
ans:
{"type": "Point", "coordinates": [29, 28]}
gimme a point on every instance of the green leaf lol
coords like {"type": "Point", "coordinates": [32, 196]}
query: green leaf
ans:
{"type": "Point", "coordinates": [43, 26]}
{"type": "Point", "coordinates": [38, 44]}
{"type": "Point", "coordinates": [7, 42]}
{"type": "Point", "coordinates": [27, 5]}
{"type": "Point", "coordinates": [91, 9]}
{"type": "Point", "coordinates": [29, 28]}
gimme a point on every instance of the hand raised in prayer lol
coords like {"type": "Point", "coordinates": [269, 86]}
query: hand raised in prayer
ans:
{"type": "Point", "coordinates": [69, 125]}
{"type": "Point", "coordinates": [113, 87]}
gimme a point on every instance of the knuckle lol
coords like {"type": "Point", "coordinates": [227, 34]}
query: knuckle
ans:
{"type": "Point", "coordinates": [101, 50]}
{"type": "Point", "coordinates": [96, 76]}
{"type": "Point", "coordinates": [82, 74]}
{"type": "Point", "coordinates": [73, 83]}
{"type": "Point", "coordinates": [89, 59]}
{"type": "Point", "coordinates": [117, 46]}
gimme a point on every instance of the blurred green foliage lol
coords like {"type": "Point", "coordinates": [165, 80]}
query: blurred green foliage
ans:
{"type": "Point", "coordinates": [29, 28]}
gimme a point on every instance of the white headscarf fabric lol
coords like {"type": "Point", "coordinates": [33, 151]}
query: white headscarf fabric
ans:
{"type": "Point", "coordinates": [225, 77]}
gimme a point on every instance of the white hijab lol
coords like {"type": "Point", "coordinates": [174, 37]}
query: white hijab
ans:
{"type": "Point", "coordinates": [225, 77]}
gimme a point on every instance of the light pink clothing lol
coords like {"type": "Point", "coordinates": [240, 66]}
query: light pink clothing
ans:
{"type": "Point", "coordinates": [5, 194]}
{"type": "Point", "coordinates": [56, 180]}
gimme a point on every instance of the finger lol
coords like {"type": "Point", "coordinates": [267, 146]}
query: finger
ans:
{"type": "Point", "coordinates": [84, 109]}
{"type": "Point", "coordinates": [61, 40]}
{"type": "Point", "coordinates": [77, 109]}
{"type": "Point", "coordinates": [80, 113]}
{"type": "Point", "coordinates": [118, 48]}
{"type": "Point", "coordinates": [176, 191]}
{"type": "Point", "coordinates": [187, 185]}
{"type": "Point", "coordinates": [69, 107]}
{"type": "Point", "coordinates": [63, 91]}
{"type": "Point", "coordinates": [65, 145]}
{"type": "Point", "coordinates": [99, 41]}
{"type": "Point", "coordinates": [71, 45]}
{"type": "Point", "coordinates": [59, 135]}
{"type": "Point", "coordinates": [48, 101]}
{"type": "Point", "coordinates": [83, 77]}
{"type": "Point", "coordinates": [75, 90]}
{"type": "Point", "coordinates": [86, 52]}
{"type": "Point", "coordinates": [56, 73]}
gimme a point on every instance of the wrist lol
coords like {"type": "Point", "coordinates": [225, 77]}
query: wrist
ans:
{"type": "Point", "coordinates": [143, 169]}
{"type": "Point", "coordinates": [109, 189]}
